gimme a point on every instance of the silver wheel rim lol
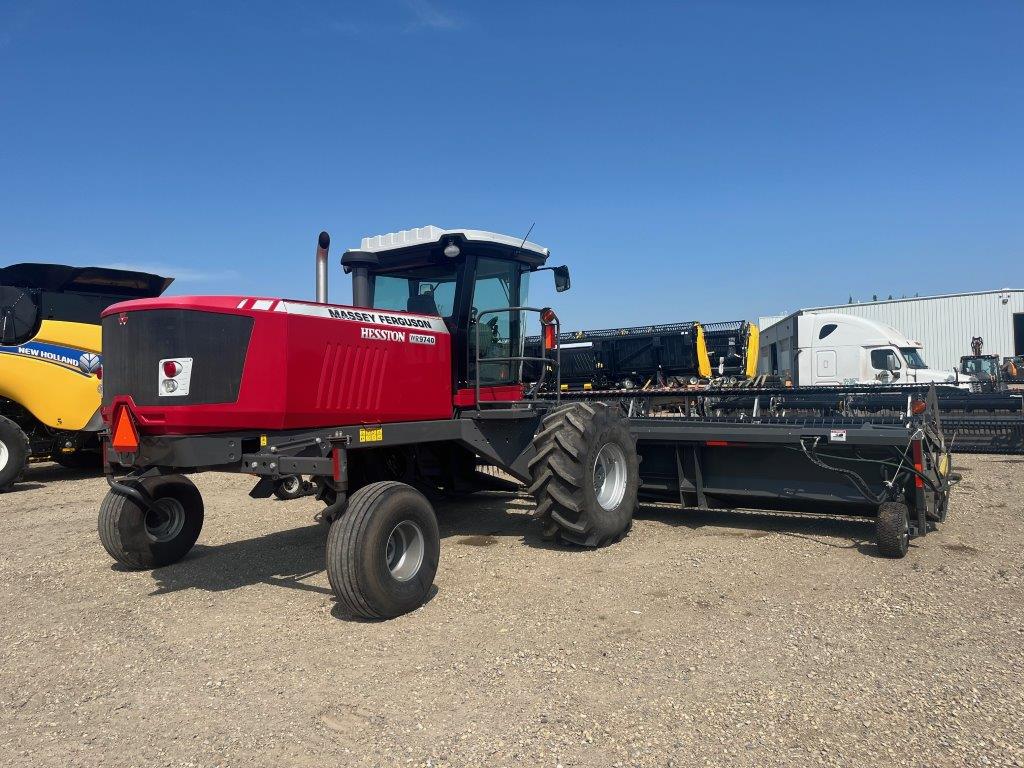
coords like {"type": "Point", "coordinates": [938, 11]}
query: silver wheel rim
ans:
{"type": "Point", "coordinates": [403, 554]}
{"type": "Point", "coordinates": [610, 476]}
{"type": "Point", "coordinates": [165, 521]}
{"type": "Point", "coordinates": [5, 455]}
{"type": "Point", "coordinates": [291, 485]}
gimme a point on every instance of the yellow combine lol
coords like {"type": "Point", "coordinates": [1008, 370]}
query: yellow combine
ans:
{"type": "Point", "coordinates": [50, 359]}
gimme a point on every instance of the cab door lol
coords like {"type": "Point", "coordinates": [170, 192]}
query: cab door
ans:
{"type": "Point", "coordinates": [825, 367]}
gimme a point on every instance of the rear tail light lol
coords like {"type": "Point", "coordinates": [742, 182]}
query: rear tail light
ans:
{"type": "Point", "coordinates": [918, 455]}
{"type": "Point", "coordinates": [175, 377]}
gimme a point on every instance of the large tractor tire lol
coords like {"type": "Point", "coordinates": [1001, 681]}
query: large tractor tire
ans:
{"type": "Point", "coordinates": [586, 474]}
{"type": "Point", "coordinates": [13, 453]}
{"type": "Point", "coordinates": [141, 538]}
{"type": "Point", "coordinates": [382, 553]}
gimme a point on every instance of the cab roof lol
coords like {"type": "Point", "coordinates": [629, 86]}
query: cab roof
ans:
{"type": "Point", "coordinates": [430, 235]}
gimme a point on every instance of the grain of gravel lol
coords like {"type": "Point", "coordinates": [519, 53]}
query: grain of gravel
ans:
{"type": "Point", "coordinates": [701, 639]}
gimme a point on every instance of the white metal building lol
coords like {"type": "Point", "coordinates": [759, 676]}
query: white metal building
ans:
{"type": "Point", "coordinates": [945, 324]}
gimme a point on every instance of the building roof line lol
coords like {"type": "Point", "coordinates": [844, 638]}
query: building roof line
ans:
{"type": "Point", "coordinates": [914, 298]}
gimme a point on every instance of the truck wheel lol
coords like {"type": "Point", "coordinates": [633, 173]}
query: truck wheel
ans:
{"type": "Point", "coordinates": [892, 529]}
{"type": "Point", "coordinates": [585, 475]}
{"type": "Point", "coordinates": [13, 453]}
{"type": "Point", "coordinates": [382, 553]}
{"type": "Point", "coordinates": [139, 538]}
{"type": "Point", "coordinates": [290, 487]}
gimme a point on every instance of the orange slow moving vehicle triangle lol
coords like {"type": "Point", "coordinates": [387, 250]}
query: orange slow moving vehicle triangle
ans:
{"type": "Point", "coordinates": [125, 437]}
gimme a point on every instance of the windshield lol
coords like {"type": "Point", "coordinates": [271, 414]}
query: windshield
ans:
{"type": "Point", "coordinates": [913, 357]}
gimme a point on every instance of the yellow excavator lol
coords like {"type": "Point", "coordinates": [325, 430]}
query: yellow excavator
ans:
{"type": "Point", "coordinates": [51, 362]}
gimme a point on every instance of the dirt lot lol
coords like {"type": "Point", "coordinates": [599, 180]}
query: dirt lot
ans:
{"type": "Point", "coordinates": [702, 639]}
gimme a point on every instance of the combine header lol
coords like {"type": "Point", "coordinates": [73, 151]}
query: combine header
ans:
{"type": "Point", "coordinates": [417, 382]}
{"type": "Point", "coordinates": [670, 355]}
{"type": "Point", "coordinates": [629, 358]}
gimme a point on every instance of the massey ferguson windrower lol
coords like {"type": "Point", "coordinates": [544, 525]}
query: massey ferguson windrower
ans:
{"type": "Point", "coordinates": [408, 389]}
{"type": "Point", "coordinates": [401, 391]}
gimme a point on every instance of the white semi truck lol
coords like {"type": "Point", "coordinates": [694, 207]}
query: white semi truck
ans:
{"type": "Point", "coordinates": [822, 348]}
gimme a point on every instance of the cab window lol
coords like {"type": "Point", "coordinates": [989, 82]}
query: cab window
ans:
{"type": "Point", "coordinates": [428, 290]}
{"type": "Point", "coordinates": [885, 360]}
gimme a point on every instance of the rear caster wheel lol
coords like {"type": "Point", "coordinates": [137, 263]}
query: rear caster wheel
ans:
{"type": "Point", "coordinates": [382, 552]}
{"type": "Point", "coordinates": [892, 529]}
{"type": "Point", "coordinates": [141, 538]}
{"type": "Point", "coordinates": [291, 487]}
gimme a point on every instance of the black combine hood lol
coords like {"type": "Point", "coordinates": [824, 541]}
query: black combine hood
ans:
{"type": "Point", "coordinates": [60, 278]}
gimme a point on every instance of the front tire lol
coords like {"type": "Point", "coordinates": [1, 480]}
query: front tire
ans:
{"type": "Point", "coordinates": [382, 553]}
{"type": "Point", "coordinates": [139, 538]}
{"type": "Point", "coordinates": [585, 475]}
{"type": "Point", "coordinates": [13, 453]}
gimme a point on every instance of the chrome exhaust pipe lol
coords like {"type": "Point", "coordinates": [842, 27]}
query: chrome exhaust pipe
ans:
{"type": "Point", "coordinates": [323, 243]}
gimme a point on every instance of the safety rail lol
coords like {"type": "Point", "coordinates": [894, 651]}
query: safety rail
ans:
{"type": "Point", "coordinates": [543, 359]}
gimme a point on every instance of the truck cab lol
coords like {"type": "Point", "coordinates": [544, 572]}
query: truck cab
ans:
{"type": "Point", "coordinates": [831, 348]}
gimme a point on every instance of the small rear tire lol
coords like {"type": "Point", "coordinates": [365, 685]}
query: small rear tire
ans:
{"type": "Point", "coordinates": [290, 487]}
{"type": "Point", "coordinates": [139, 538]}
{"type": "Point", "coordinates": [382, 553]}
{"type": "Point", "coordinates": [14, 450]}
{"type": "Point", "coordinates": [892, 529]}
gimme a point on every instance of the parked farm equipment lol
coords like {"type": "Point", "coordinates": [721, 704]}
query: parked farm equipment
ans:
{"type": "Point", "coordinates": [629, 358]}
{"type": "Point", "coordinates": [50, 360]}
{"type": "Point", "coordinates": [419, 380]}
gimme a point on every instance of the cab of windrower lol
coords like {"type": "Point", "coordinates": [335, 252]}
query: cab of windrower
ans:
{"type": "Point", "coordinates": [476, 281]}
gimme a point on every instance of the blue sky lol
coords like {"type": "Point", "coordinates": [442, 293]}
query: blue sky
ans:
{"type": "Point", "coordinates": [691, 160]}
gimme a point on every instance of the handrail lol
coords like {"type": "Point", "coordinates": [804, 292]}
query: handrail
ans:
{"type": "Point", "coordinates": [543, 360]}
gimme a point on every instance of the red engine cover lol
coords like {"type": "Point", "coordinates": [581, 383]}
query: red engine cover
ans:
{"type": "Point", "coordinates": [307, 365]}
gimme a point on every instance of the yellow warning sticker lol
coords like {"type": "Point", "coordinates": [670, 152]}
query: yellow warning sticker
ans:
{"type": "Point", "coordinates": [263, 441]}
{"type": "Point", "coordinates": [371, 435]}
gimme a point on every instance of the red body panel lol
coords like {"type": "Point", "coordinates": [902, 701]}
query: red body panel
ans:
{"type": "Point", "coordinates": [307, 368]}
{"type": "Point", "coordinates": [466, 398]}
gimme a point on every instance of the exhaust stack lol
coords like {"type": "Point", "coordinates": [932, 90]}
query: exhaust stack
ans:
{"type": "Point", "coordinates": [322, 245]}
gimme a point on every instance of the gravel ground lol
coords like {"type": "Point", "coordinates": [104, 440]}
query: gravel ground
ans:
{"type": "Point", "coordinates": [701, 639]}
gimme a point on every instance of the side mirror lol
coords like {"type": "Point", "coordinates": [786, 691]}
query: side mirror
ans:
{"type": "Point", "coordinates": [562, 281]}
